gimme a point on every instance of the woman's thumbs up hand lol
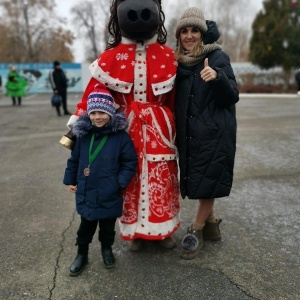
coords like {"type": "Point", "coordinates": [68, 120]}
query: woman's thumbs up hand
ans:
{"type": "Point", "coordinates": [208, 74]}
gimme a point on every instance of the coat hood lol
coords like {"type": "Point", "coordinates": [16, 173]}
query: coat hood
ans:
{"type": "Point", "coordinates": [84, 125]}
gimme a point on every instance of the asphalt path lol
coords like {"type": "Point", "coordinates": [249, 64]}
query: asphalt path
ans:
{"type": "Point", "coordinates": [258, 257]}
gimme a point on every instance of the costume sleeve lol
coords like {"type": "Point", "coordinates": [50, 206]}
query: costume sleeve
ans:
{"type": "Point", "coordinates": [128, 162]}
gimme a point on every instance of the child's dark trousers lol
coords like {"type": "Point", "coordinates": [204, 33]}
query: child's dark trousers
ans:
{"type": "Point", "coordinates": [88, 228]}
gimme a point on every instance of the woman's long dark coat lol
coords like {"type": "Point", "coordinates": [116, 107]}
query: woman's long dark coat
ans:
{"type": "Point", "coordinates": [206, 128]}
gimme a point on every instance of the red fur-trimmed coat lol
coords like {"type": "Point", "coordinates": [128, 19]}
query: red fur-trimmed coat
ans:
{"type": "Point", "coordinates": [141, 79]}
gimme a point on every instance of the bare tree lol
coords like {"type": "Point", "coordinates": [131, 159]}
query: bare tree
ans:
{"type": "Point", "coordinates": [28, 27]}
{"type": "Point", "coordinates": [234, 18]}
{"type": "Point", "coordinates": [91, 18]}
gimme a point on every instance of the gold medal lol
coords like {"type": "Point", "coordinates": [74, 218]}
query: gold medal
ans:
{"type": "Point", "coordinates": [86, 171]}
{"type": "Point", "coordinates": [92, 156]}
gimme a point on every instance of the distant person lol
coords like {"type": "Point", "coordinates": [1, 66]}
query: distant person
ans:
{"type": "Point", "coordinates": [102, 163]}
{"type": "Point", "coordinates": [206, 93]}
{"type": "Point", "coordinates": [59, 83]}
{"type": "Point", "coordinates": [15, 86]}
{"type": "Point", "coordinates": [297, 77]}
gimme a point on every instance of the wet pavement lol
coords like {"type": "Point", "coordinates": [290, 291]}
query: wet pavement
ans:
{"type": "Point", "coordinates": [258, 257]}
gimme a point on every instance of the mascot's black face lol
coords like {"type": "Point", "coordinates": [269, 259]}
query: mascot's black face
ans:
{"type": "Point", "coordinates": [138, 19]}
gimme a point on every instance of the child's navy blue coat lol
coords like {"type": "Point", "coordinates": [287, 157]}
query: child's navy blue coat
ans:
{"type": "Point", "coordinates": [99, 195]}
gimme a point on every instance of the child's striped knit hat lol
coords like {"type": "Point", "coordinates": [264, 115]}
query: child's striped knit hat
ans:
{"type": "Point", "coordinates": [100, 100]}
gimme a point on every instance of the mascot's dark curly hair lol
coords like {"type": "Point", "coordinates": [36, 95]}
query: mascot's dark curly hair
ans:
{"type": "Point", "coordinates": [115, 31]}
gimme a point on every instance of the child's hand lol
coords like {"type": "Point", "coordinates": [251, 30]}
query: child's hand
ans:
{"type": "Point", "coordinates": [72, 188]}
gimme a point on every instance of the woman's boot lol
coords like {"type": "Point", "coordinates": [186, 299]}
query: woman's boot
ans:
{"type": "Point", "coordinates": [80, 261]}
{"type": "Point", "coordinates": [211, 230]}
{"type": "Point", "coordinates": [191, 243]}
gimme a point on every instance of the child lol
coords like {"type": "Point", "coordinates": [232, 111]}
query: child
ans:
{"type": "Point", "coordinates": [102, 163]}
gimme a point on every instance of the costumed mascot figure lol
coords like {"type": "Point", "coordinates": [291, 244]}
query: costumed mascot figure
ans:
{"type": "Point", "coordinates": [139, 70]}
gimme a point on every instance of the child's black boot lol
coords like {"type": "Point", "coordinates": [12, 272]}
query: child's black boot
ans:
{"type": "Point", "coordinates": [107, 238]}
{"type": "Point", "coordinates": [108, 257]}
{"type": "Point", "coordinates": [80, 261]}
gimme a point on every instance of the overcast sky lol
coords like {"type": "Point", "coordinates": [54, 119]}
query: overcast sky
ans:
{"type": "Point", "coordinates": [64, 7]}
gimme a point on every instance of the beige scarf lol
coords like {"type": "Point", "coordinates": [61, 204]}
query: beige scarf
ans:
{"type": "Point", "coordinates": [189, 60]}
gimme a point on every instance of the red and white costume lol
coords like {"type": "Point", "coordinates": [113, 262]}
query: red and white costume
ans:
{"type": "Point", "coordinates": [141, 79]}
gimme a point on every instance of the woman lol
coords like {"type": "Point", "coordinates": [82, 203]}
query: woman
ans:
{"type": "Point", "coordinates": [206, 93]}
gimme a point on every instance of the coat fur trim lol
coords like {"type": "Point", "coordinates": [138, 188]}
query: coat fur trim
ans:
{"type": "Point", "coordinates": [83, 125]}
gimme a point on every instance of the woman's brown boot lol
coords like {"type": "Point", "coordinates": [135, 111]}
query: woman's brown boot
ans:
{"type": "Point", "coordinates": [211, 230]}
{"type": "Point", "coordinates": [191, 243]}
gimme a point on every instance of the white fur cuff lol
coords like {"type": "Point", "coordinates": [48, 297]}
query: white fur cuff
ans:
{"type": "Point", "coordinates": [71, 121]}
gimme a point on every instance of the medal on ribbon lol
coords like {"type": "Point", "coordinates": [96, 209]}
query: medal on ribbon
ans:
{"type": "Point", "coordinates": [86, 171]}
{"type": "Point", "coordinates": [92, 156]}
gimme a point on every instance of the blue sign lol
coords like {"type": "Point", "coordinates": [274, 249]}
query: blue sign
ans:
{"type": "Point", "coordinates": [37, 76]}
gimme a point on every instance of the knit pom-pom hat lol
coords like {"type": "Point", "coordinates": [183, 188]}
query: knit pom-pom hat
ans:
{"type": "Point", "coordinates": [100, 100]}
{"type": "Point", "coordinates": [193, 17]}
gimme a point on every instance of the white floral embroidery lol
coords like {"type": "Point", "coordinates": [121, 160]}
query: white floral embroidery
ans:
{"type": "Point", "coordinates": [145, 112]}
{"type": "Point", "coordinates": [133, 63]}
{"type": "Point", "coordinates": [153, 144]}
{"type": "Point", "coordinates": [163, 67]}
{"type": "Point", "coordinates": [153, 56]}
{"type": "Point", "coordinates": [168, 54]}
{"type": "Point", "coordinates": [155, 76]}
{"type": "Point", "coordinates": [123, 67]}
{"type": "Point", "coordinates": [81, 111]}
{"type": "Point", "coordinates": [103, 64]}
{"type": "Point", "coordinates": [147, 138]}
{"type": "Point", "coordinates": [130, 49]}
{"type": "Point", "coordinates": [122, 56]}
{"type": "Point", "coordinates": [169, 75]}
{"type": "Point", "coordinates": [175, 63]}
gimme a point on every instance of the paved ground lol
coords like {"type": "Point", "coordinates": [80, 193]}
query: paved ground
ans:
{"type": "Point", "coordinates": [258, 257]}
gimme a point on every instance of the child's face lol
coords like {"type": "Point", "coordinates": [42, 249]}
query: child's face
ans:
{"type": "Point", "coordinates": [99, 118]}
